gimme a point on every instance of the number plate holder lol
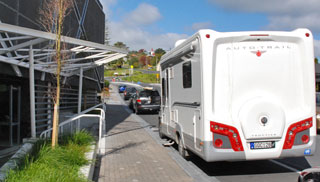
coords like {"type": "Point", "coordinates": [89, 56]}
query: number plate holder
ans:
{"type": "Point", "coordinates": [262, 145]}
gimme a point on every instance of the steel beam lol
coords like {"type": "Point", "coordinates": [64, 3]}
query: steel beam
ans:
{"type": "Point", "coordinates": [51, 36]}
{"type": "Point", "coordinates": [32, 94]}
{"type": "Point", "coordinates": [25, 44]}
{"type": "Point", "coordinates": [80, 95]}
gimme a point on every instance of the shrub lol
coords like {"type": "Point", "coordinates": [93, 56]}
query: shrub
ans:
{"type": "Point", "coordinates": [59, 164]}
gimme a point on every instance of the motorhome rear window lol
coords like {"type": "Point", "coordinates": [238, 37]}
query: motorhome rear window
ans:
{"type": "Point", "coordinates": [187, 76]}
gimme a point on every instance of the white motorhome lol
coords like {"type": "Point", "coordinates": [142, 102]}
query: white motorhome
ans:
{"type": "Point", "coordinates": [240, 95]}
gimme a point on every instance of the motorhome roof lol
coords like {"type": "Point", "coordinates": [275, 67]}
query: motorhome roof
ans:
{"type": "Point", "coordinates": [238, 36]}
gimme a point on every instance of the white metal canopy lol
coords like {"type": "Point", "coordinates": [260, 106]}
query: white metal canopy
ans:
{"type": "Point", "coordinates": [34, 50]}
{"type": "Point", "coordinates": [15, 51]}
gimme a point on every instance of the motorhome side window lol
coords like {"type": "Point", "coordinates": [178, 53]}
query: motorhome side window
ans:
{"type": "Point", "coordinates": [163, 89]}
{"type": "Point", "coordinates": [187, 77]}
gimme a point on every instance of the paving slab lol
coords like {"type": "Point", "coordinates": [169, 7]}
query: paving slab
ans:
{"type": "Point", "coordinates": [130, 154]}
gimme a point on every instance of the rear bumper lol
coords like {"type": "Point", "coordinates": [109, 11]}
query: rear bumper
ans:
{"type": "Point", "coordinates": [149, 107]}
{"type": "Point", "coordinates": [300, 150]}
{"type": "Point", "coordinates": [212, 154]}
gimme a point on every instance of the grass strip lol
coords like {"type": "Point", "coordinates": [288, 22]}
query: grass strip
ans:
{"type": "Point", "coordinates": [144, 78]}
{"type": "Point", "coordinates": [60, 164]}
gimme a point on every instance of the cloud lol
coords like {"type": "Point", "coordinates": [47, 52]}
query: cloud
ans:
{"type": "Point", "coordinates": [131, 30]}
{"type": "Point", "coordinates": [317, 48]}
{"type": "Point", "coordinates": [286, 14]}
{"type": "Point", "coordinates": [270, 6]}
{"type": "Point", "coordinates": [145, 14]}
{"type": "Point", "coordinates": [106, 6]}
{"type": "Point", "coordinates": [136, 38]}
{"type": "Point", "coordinates": [199, 25]}
{"type": "Point", "coordinates": [290, 22]}
{"type": "Point", "coordinates": [282, 15]}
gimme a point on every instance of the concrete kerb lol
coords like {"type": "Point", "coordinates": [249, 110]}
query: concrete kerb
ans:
{"type": "Point", "coordinates": [88, 170]}
{"type": "Point", "coordinates": [18, 158]}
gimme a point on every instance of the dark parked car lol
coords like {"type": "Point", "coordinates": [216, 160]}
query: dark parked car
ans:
{"type": "Point", "coordinates": [145, 100]}
{"type": "Point", "coordinates": [129, 92]}
{"type": "Point", "coordinates": [310, 174]}
{"type": "Point", "coordinates": [122, 88]}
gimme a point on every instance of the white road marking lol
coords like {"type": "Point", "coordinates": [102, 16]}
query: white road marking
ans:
{"type": "Point", "coordinates": [285, 166]}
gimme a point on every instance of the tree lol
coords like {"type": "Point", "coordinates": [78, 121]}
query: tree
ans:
{"type": "Point", "coordinates": [133, 60]}
{"type": "Point", "coordinates": [160, 51]}
{"type": "Point", "coordinates": [142, 51]}
{"type": "Point", "coordinates": [144, 60]}
{"type": "Point", "coordinates": [119, 63]}
{"type": "Point", "coordinates": [52, 16]}
{"type": "Point", "coordinates": [135, 64]}
{"type": "Point", "coordinates": [121, 45]}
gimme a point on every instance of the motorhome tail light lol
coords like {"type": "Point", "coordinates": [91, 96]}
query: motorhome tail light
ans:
{"type": "Point", "coordinates": [139, 101]}
{"type": "Point", "coordinates": [208, 36]}
{"type": "Point", "coordinates": [125, 93]}
{"type": "Point", "coordinates": [307, 34]}
{"type": "Point", "coordinates": [229, 131]}
{"type": "Point", "coordinates": [296, 128]}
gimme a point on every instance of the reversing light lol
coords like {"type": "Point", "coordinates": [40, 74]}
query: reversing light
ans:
{"type": "Point", "coordinates": [296, 128]}
{"type": "Point", "coordinates": [234, 135]}
{"type": "Point", "coordinates": [229, 131]}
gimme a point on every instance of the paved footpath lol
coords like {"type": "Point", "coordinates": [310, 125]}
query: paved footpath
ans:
{"type": "Point", "coordinates": [130, 154]}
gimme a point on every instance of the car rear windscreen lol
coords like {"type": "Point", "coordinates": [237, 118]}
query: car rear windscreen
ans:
{"type": "Point", "coordinates": [148, 93]}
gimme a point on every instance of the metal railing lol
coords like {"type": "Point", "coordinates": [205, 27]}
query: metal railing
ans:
{"type": "Point", "coordinates": [76, 121]}
{"type": "Point", "coordinates": [68, 101]}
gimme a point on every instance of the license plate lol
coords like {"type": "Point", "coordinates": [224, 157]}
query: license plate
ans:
{"type": "Point", "coordinates": [262, 145]}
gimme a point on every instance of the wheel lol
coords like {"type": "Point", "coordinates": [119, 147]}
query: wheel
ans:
{"type": "Point", "coordinates": [182, 151]}
{"type": "Point", "coordinates": [161, 135]}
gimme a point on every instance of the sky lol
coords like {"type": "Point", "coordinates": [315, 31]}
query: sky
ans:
{"type": "Point", "coordinates": [147, 24]}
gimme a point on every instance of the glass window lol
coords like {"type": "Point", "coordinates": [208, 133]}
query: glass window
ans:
{"type": "Point", "coordinates": [187, 76]}
{"type": "Point", "coordinates": [162, 87]}
{"type": "Point", "coordinates": [148, 93]}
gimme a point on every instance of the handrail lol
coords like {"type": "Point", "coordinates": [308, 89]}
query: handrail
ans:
{"type": "Point", "coordinates": [75, 118]}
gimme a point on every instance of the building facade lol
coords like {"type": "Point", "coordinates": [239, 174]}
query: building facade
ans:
{"type": "Point", "coordinates": [86, 21]}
